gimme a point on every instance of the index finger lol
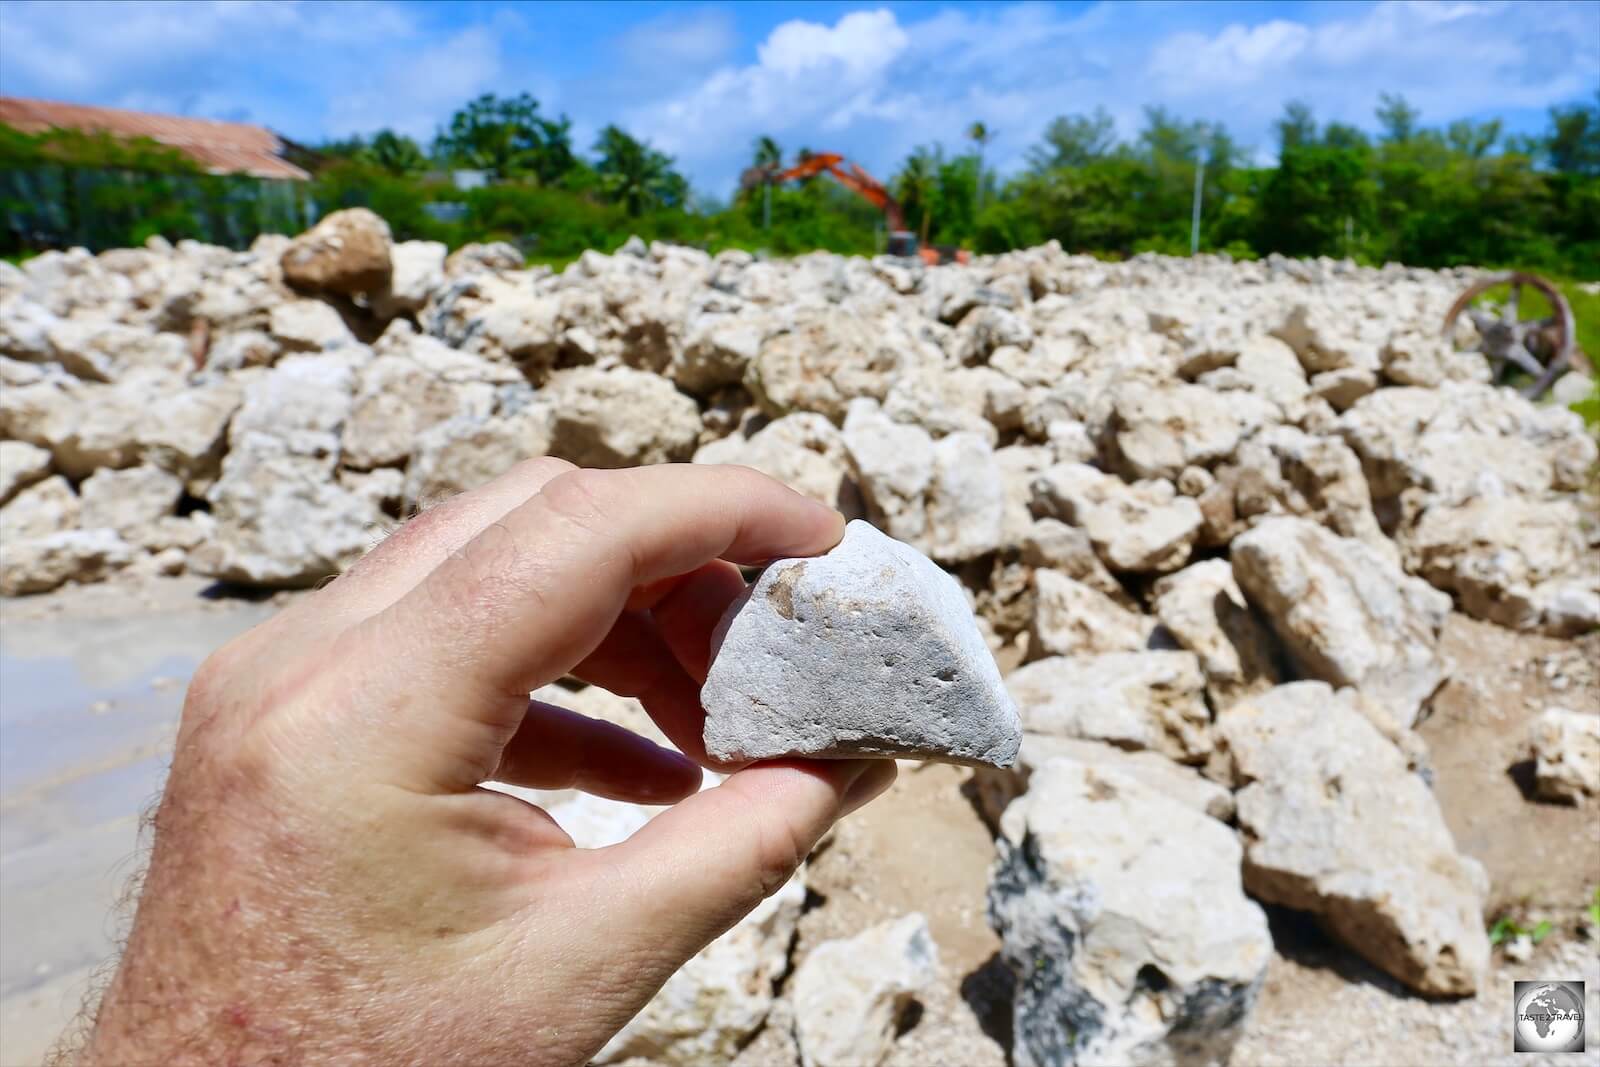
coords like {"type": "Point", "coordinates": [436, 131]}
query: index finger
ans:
{"type": "Point", "coordinates": [535, 593]}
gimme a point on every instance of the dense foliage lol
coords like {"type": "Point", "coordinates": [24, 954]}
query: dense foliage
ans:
{"type": "Point", "coordinates": [1431, 197]}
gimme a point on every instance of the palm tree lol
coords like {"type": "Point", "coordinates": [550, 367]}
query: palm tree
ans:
{"type": "Point", "coordinates": [767, 153]}
{"type": "Point", "coordinates": [980, 133]}
{"type": "Point", "coordinates": [916, 185]}
{"type": "Point", "coordinates": [634, 174]}
{"type": "Point", "coordinates": [767, 159]}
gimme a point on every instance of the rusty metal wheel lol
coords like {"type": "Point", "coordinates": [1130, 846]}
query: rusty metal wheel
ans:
{"type": "Point", "coordinates": [1545, 348]}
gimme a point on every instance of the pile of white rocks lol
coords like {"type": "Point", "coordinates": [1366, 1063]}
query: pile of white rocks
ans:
{"type": "Point", "coordinates": [1217, 511]}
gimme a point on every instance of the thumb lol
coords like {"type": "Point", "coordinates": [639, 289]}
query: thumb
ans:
{"type": "Point", "coordinates": [700, 867]}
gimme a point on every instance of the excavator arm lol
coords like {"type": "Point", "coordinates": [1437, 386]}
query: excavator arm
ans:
{"type": "Point", "coordinates": [855, 179]}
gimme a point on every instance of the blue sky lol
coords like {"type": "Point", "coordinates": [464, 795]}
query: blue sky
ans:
{"type": "Point", "coordinates": [700, 81]}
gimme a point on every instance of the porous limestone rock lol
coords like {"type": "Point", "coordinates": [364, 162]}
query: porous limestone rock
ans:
{"type": "Point", "coordinates": [1203, 610]}
{"type": "Point", "coordinates": [867, 650]}
{"type": "Point", "coordinates": [40, 564]}
{"type": "Point", "coordinates": [1343, 613]}
{"type": "Point", "coordinates": [824, 359]}
{"type": "Point", "coordinates": [84, 425]}
{"type": "Point", "coordinates": [946, 497]}
{"type": "Point", "coordinates": [1342, 388]}
{"type": "Point", "coordinates": [1286, 471]}
{"type": "Point", "coordinates": [489, 256]}
{"type": "Point", "coordinates": [1335, 824]}
{"type": "Point", "coordinates": [46, 507]}
{"type": "Point", "coordinates": [398, 398]}
{"type": "Point", "coordinates": [711, 1006]}
{"type": "Point", "coordinates": [282, 521]}
{"type": "Point", "coordinates": [804, 451]}
{"type": "Point", "coordinates": [21, 465]}
{"type": "Point", "coordinates": [619, 418]}
{"type": "Point", "coordinates": [465, 452]}
{"type": "Point", "coordinates": [717, 347]}
{"type": "Point", "coordinates": [128, 500]}
{"type": "Point", "coordinates": [1135, 700]}
{"type": "Point", "coordinates": [1520, 562]}
{"type": "Point", "coordinates": [417, 270]}
{"type": "Point", "coordinates": [1324, 340]}
{"type": "Point", "coordinates": [1052, 544]}
{"type": "Point", "coordinates": [107, 351]}
{"type": "Point", "coordinates": [1121, 915]}
{"type": "Point", "coordinates": [308, 326]}
{"type": "Point", "coordinates": [998, 787]}
{"type": "Point", "coordinates": [192, 432]}
{"type": "Point", "coordinates": [1072, 618]}
{"type": "Point", "coordinates": [1566, 752]}
{"type": "Point", "coordinates": [347, 252]}
{"type": "Point", "coordinates": [1461, 440]}
{"type": "Point", "coordinates": [1141, 527]}
{"type": "Point", "coordinates": [850, 993]}
{"type": "Point", "coordinates": [1159, 429]}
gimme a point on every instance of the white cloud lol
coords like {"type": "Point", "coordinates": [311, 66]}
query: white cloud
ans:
{"type": "Point", "coordinates": [678, 41]}
{"type": "Point", "coordinates": [874, 87]}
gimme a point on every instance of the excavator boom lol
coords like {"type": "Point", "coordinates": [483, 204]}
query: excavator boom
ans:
{"type": "Point", "coordinates": [864, 185]}
{"type": "Point", "coordinates": [855, 179]}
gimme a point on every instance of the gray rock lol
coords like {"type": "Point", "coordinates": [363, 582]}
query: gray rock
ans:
{"type": "Point", "coordinates": [867, 650]}
{"type": "Point", "coordinates": [1122, 916]}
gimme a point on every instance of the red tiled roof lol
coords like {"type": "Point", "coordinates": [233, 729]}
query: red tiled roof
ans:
{"type": "Point", "coordinates": [219, 147]}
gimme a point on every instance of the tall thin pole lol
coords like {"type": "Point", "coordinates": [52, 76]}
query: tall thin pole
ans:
{"type": "Point", "coordinates": [1194, 221]}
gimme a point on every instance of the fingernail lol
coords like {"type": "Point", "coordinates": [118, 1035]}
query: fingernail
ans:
{"type": "Point", "coordinates": [871, 783]}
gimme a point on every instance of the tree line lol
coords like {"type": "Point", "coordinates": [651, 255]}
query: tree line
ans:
{"type": "Point", "coordinates": [1462, 193]}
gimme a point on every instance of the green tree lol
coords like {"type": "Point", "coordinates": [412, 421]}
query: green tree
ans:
{"type": "Point", "coordinates": [1343, 135]}
{"type": "Point", "coordinates": [916, 186]}
{"type": "Point", "coordinates": [1472, 139]}
{"type": "Point", "coordinates": [635, 175]}
{"type": "Point", "coordinates": [509, 138]}
{"type": "Point", "coordinates": [1297, 127]}
{"type": "Point", "coordinates": [395, 153]}
{"type": "Point", "coordinates": [1397, 117]}
{"type": "Point", "coordinates": [1074, 141]}
{"type": "Point", "coordinates": [1573, 143]}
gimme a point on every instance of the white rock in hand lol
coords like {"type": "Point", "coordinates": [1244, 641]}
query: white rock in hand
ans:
{"type": "Point", "coordinates": [869, 650]}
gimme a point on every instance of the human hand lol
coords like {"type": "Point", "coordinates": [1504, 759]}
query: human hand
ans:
{"type": "Point", "coordinates": [329, 880]}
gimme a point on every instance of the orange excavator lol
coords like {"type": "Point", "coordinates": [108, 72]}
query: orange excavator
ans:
{"type": "Point", "coordinates": [902, 242]}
